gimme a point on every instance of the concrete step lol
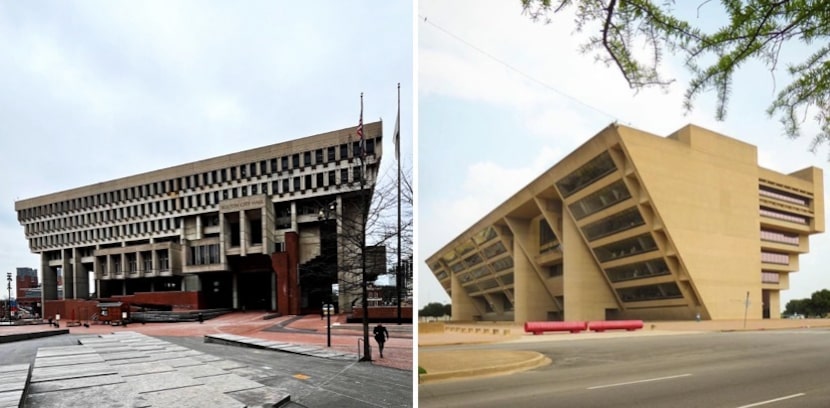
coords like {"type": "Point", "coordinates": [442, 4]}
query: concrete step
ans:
{"type": "Point", "coordinates": [13, 381]}
{"type": "Point", "coordinates": [128, 369]}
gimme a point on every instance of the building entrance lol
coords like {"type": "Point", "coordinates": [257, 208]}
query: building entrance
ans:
{"type": "Point", "coordinates": [255, 290]}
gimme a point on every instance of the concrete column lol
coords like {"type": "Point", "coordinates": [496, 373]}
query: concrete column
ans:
{"type": "Point", "coordinates": [50, 280]}
{"type": "Point", "coordinates": [235, 291]}
{"type": "Point", "coordinates": [587, 294]}
{"type": "Point", "coordinates": [98, 288]}
{"type": "Point", "coordinates": [152, 285]}
{"type": "Point", "coordinates": [199, 234]}
{"type": "Point", "coordinates": [532, 301]}
{"type": "Point", "coordinates": [81, 276]}
{"type": "Point", "coordinates": [294, 216]}
{"type": "Point", "coordinates": [244, 238]}
{"type": "Point", "coordinates": [124, 287]}
{"type": "Point", "coordinates": [68, 274]}
{"type": "Point", "coordinates": [463, 306]}
{"type": "Point", "coordinates": [155, 261]}
{"type": "Point", "coordinates": [223, 238]}
{"type": "Point", "coordinates": [273, 291]}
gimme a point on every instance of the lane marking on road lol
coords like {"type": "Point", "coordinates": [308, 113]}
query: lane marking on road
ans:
{"type": "Point", "coordinates": [638, 382]}
{"type": "Point", "coordinates": [801, 394]}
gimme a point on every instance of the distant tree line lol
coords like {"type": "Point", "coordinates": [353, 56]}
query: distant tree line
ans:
{"type": "Point", "coordinates": [435, 309]}
{"type": "Point", "coordinates": [817, 305]}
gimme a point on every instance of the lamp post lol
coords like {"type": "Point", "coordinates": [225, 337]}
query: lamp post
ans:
{"type": "Point", "coordinates": [329, 308]}
{"type": "Point", "coordinates": [9, 304]}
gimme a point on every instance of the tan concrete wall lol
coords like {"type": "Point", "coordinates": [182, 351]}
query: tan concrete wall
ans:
{"type": "Point", "coordinates": [532, 299]}
{"type": "Point", "coordinates": [587, 293]}
{"type": "Point", "coordinates": [463, 308]}
{"type": "Point", "coordinates": [707, 198]}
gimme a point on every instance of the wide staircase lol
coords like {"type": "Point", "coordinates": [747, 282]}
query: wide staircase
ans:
{"type": "Point", "coordinates": [129, 369]}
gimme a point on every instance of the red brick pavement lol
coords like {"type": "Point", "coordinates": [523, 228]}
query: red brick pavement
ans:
{"type": "Point", "coordinates": [307, 330]}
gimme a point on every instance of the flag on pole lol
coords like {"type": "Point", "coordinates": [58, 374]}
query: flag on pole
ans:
{"type": "Point", "coordinates": [398, 127]}
{"type": "Point", "coordinates": [362, 142]}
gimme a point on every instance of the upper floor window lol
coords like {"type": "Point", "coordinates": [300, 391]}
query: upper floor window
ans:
{"type": "Point", "coordinates": [590, 172]}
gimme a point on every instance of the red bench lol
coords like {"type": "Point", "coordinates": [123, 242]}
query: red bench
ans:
{"type": "Point", "coordinates": [541, 327]}
{"type": "Point", "coordinates": [603, 325]}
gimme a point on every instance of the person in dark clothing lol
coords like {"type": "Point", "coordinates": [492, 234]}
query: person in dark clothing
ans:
{"type": "Point", "coordinates": [381, 335]}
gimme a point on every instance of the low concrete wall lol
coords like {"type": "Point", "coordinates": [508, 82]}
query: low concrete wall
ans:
{"type": "Point", "coordinates": [8, 338]}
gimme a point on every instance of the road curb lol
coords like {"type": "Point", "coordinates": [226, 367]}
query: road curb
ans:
{"type": "Point", "coordinates": [533, 361]}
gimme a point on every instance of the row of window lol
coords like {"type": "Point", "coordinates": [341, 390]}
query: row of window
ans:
{"type": "Point", "coordinates": [638, 270]}
{"type": "Point", "coordinates": [650, 292]}
{"type": "Point", "coordinates": [775, 258]}
{"type": "Point", "coordinates": [120, 263]}
{"type": "Point", "coordinates": [627, 247]}
{"type": "Point", "coordinates": [189, 201]}
{"type": "Point", "coordinates": [782, 237]}
{"type": "Point", "coordinates": [204, 255]}
{"type": "Point", "coordinates": [214, 177]}
{"type": "Point", "coordinates": [770, 277]}
{"type": "Point", "coordinates": [600, 200]}
{"type": "Point", "coordinates": [782, 195]}
{"type": "Point", "coordinates": [766, 212]}
{"type": "Point", "coordinates": [106, 233]}
{"type": "Point", "coordinates": [586, 175]}
{"type": "Point", "coordinates": [613, 224]}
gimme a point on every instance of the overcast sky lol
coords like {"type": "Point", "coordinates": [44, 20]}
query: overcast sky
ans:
{"type": "Point", "coordinates": [93, 90]}
{"type": "Point", "coordinates": [485, 130]}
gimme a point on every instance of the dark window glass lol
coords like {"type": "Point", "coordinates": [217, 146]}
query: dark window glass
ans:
{"type": "Point", "coordinates": [600, 200]}
{"type": "Point", "coordinates": [547, 239]}
{"type": "Point", "coordinates": [639, 270]}
{"type": "Point", "coordinates": [650, 292]}
{"type": "Point", "coordinates": [625, 248]}
{"type": "Point", "coordinates": [621, 221]}
{"type": "Point", "coordinates": [584, 176]}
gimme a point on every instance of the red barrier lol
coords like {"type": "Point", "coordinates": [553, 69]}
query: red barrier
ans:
{"type": "Point", "coordinates": [540, 327]}
{"type": "Point", "coordinates": [603, 325]}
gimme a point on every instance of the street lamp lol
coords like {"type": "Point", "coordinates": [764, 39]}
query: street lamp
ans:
{"type": "Point", "coordinates": [9, 304]}
{"type": "Point", "coordinates": [328, 310]}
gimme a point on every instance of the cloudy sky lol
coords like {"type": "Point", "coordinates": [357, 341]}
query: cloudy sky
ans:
{"type": "Point", "coordinates": [502, 99]}
{"type": "Point", "coordinates": [93, 91]}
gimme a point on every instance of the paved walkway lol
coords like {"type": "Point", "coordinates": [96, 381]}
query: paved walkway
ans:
{"type": "Point", "coordinates": [124, 366]}
{"type": "Point", "coordinates": [310, 330]}
{"type": "Point", "coordinates": [453, 364]}
{"type": "Point", "coordinates": [129, 369]}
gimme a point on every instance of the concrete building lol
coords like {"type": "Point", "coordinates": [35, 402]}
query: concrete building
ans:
{"type": "Point", "coordinates": [257, 229]}
{"type": "Point", "coordinates": [634, 225]}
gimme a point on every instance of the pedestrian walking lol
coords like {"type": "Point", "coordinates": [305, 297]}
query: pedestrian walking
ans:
{"type": "Point", "coordinates": [381, 335]}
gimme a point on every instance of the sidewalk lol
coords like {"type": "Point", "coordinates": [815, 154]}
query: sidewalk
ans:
{"type": "Point", "coordinates": [441, 365]}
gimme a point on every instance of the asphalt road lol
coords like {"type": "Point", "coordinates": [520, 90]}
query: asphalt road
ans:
{"type": "Point", "coordinates": [739, 369]}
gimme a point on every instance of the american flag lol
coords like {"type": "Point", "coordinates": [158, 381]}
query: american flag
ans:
{"type": "Point", "coordinates": [362, 145]}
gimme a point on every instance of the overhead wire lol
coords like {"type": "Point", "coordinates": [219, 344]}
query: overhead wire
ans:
{"type": "Point", "coordinates": [515, 69]}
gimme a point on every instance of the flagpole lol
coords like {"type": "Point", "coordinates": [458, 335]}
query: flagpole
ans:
{"type": "Point", "coordinates": [398, 277]}
{"type": "Point", "coordinates": [367, 351]}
